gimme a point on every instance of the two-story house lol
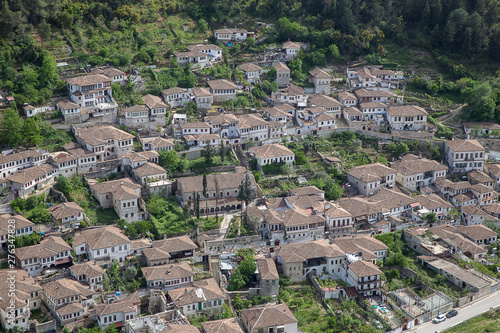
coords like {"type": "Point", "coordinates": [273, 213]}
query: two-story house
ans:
{"type": "Point", "coordinates": [347, 99]}
{"type": "Point", "coordinates": [365, 276]}
{"type": "Point", "coordinates": [65, 163]}
{"type": "Point", "coordinates": [321, 80]}
{"type": "Point", "coordinates": [383, 96]}
{"type": "Point", "coordinates": [291, 49]}
{"type": "Point", "coordinates": [251, 71]}
{"type": "Point", "coordinates": [339, 222]}
{"type": "Point", "coordinates": [269, 319]}
{"type": "Point", "coordinates": [15, 225]}
{"type": "Point", "coordinates": [88, 272]}
{"type": "Point", "coordinates": [267, 277]}
{"type": "Point", "coordinates": [290, 94]}
{"type": "Point", "coordinates": [67, 214]}
{"type": "Point", "coordinates": [32, 179]}
{"type": "Point", "coordinates": [330, 104]}
{"type": "Point", "coordinates": [158, 144]}
{"type": "Point", "coordinates": [282, 74]}
{"type": "Point", "coordinates": [114, 74]}
{"type": "Point", "coordinates": [252, 127]}
{"type": "Point", "coordinates": [197, 58]}
{"type": "Point", "coordinates": [68, 300]}
{"type": "Point", "coordinates": [464, 155]}
{"type": "Point", "coordinates": [15, 161]}
{"type": "Point", "coordinates": [214, 52]}
{"type": "Point", "coordinates": [86, 160]}
{"type": "Point", "coordinates": [299, 260]}
{"type": "Point", "coordinates": [169, 276]}
{"type": "Point", "coordinates": [200, 297]}
{"type": "Point", "coordinates": [272, 153]}
{"type": "Point", "coordinates": [121, 194]}
{"type": "Point", "coordinates": [16, 306]}
{"type": "Point", "coordinates": [368, 179]}
{"type": "Point", "coordinates": [107, 142]}
{"type": "Point", "coordinates": [407, 117]}
{"type": "Point", "coordinates": [222, 190]}
{"type": "Point", "coordinates": [203, 98]}
{"type": "Point", "coordinates": [413, 172]}
{"type": "Point", "coordinates": [222, 90]}
{"type": "Point", "coordinates": [71, 112]}
{"type": "Point", "coordinates": [51, 252]}
{"type": "Point", "coordinates": [118, 312]}
{"type": "Point", "coordinates": [226, 35]}
{"type": "Point", "coordinates": [175, 97]}
{"type": "Point", "coordinates": [103, 243]}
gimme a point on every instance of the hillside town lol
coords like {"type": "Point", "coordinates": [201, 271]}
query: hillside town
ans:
{"type": "Point", "coordinates": [190, 211]}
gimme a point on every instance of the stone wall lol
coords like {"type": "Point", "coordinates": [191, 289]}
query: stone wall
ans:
{"type": "Point", "coordinates": [45, 327]}
{"type": "Point", "coordinates": [216, 246]}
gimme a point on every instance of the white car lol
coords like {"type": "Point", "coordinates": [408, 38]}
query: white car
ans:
{"type": "Point", "coordinates": [439, 318]}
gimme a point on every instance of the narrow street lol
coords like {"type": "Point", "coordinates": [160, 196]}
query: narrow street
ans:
{"type": "Point", "coordinates": [468, 312]}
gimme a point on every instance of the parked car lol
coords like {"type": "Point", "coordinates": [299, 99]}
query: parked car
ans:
{"type": "Point", "coordinates": [452, 313]}
{"type": "Point", "coordinates": [440, 318]}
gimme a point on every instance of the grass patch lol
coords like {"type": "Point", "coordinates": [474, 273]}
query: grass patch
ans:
{"type": "Point", "coordinates": [311, 316]}
{"type": "Point", "coordinates": [40, 316]}
{"type": "Point", "coordinates": [168, 217]}
{"type": "Point", "coordinates": [209, 223]}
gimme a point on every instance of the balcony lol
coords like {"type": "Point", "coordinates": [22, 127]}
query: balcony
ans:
{"type": "Point", "coordinates": [314, 262]}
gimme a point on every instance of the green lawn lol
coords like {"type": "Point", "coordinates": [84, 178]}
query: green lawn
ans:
{"type": "Point", "coordinates": [487, 322]}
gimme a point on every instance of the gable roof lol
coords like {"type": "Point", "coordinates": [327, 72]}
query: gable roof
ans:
{"type": "Point", "coordinates": [175, 244]}
{"type": "Point", "coordinates": [229, 325]}
{"type": "Point", "coordinates": [48, 247]}
{"type": "Point", "coordinates": [267, 269]}
{"type": "Point", "coordinates": [66, 287]}
{"type": "Point", "coordinates": [459, 145]}
{"type": "Point", "coordinates": [221, 84]}
{"type": "Point", "coordinates": [249, 67]}
{"type": "Point", "coordinates": [271, 151]}
{"type": "Point", "coordinates": [153, 102]}
{"type": "Point", "coordinates": [300, 252]}
{"type": "Point", "coordinates": [149, 169]}
{"type": "Point", "coordinates": [362, 268]}
{"type": "Point", "coordinates": [121, 189]}
{"type": "Point", "coordinates": [65, 209]}
{"type": "Point", "coordinates": [224, 181]}
{"type": "Point", "coordinates": [199, 291]}
{"type": "Point", "coordinates": [88, 80]}
{"type": "Point", "coordinates": [89, 268]}
{"type": "Point", "coordinates": [280, 66]}
{"type": "Point", "coordinates": [31, 173]}
{"type": "Point", "coordinates": [406, 111]}
{"type": "Point", "coordinates": [324, 101]}
{"type": "Point", "coordinates": [99, 135]}
{"type": "Point", "coordinates": [371, 172]}
{"type": "Point", "coordinates": [100, 238]}
{"type": "Point", "coordinates": [167, 272]}
{"type": "Point", "coordinates": [268, 316]}
{"type": "Point", "coordinates": [319, 73]}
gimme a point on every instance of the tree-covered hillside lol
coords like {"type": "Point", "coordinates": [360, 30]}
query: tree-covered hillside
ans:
{"type": "Point", "coordinates": [463, 37]}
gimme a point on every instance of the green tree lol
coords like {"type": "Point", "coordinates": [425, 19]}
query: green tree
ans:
{"type": "Point", "coordinates": [208, 153]}
{"type": "Point", "coordinates": [12, 125]}
{"type": "Point", "coordinates": [222, 151]}
{"type": "Point", "coordinates": [31, 133]}
{"type": "Point", "coordinates": [64, 185]}
{"type": "Point", "coordinates": [246, 193]}
{"type": "Point", "coordinates": [130, 273]}
{"type": "Point", "coordinates": [143, 227]}
{"type": "Point", "coordinates": [430, 218]}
